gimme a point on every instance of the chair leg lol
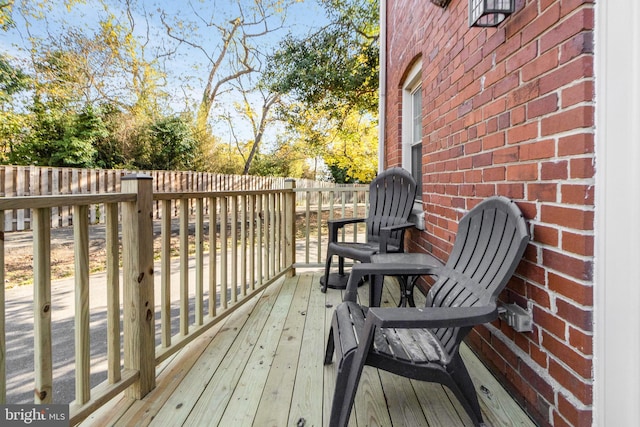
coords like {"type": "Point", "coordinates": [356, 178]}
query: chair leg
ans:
{"type": "Point", "coordinates": [465, 390]}
{"type": "Point", "coordinates": [328, 356]}
{"type": "Point", "coordinates": [345, 392]}
{"type": "Point", "coordinates": [327, 269]}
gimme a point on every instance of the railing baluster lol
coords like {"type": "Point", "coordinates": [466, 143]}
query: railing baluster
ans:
{"type": "Point", "coordinates": [199, 263]}
{"type": "Point", "coordinates": [165, 279]}
{"type": "Point", "coordinates": [272, 235]}
{"type": "Point", "coordinates": [113, 293]}
{"type": "Point", "coordinates": [213, 259]}
{"type": "Point", "coordinates": [307, 225]}
{"type": "Point", "coordinates": [243, 244]}
{"type": "Point", "coordinates": [234, 249]}
{"type": "Point", "coordinates": [82, 349]}
{"type": "Point", "coordinates": [290, 227]}
{"type": "Point", "coordinates": [252, 241]}
{"type": "Point", "coordinates": [260, 243]}
{"type": "Point", "coordinates": [224, 214]}
{"type": "Point", "coordinates": [319, 224]}
{"type": "Point", "coordinates": [3, 340]}
{"type": "Point", "coordinates": [42, 304]}
{"type": "Point", "coordinates": [184, 267]}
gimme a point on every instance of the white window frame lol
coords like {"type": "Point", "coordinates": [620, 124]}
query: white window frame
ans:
{"type": "Point", "coordinates": [412, 86]}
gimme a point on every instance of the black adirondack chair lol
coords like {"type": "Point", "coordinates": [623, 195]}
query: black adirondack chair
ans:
{"type": "Point", "coordinates": [391, 197]}
{"type": "Point", "coordinates": [423, 343]}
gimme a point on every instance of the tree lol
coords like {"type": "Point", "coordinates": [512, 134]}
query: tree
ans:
{"type": "Point", "coordinates": [173, 144]}
{"type": "Point", "coordinates": [237, 55]}
{"type": "Point", "coordinates": [331, 77]}
{"type": "Point", "coordinates": [336, 68]}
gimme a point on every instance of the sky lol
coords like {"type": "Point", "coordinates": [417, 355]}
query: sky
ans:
{"type": "Point", "coordinates": [302, 17]}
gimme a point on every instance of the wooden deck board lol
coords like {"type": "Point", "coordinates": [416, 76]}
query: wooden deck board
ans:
{"type": "Point", "coordinates": [263, 366]}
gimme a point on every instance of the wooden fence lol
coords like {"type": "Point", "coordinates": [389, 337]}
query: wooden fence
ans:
{"type": "Point", "coordinates": [18, 181]}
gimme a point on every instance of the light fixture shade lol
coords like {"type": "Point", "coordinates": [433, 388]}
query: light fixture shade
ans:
{"type": "Point", "coordinates": [489, 13]}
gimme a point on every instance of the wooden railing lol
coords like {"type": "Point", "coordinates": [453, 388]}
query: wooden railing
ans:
{"type": "Point", "coordinates": [18, 181]}
{"type": "Point", "coordinates": [243, 242]}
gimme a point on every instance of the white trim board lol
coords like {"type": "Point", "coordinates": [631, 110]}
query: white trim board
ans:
{"type": "Point", "coordinates": [617, 264]}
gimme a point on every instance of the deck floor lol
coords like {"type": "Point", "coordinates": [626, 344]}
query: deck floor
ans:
{"type": "Point", "coordinates": [263, 366]}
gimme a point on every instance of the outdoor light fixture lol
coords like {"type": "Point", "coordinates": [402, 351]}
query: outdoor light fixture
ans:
{"type": "Point", "coordinates": [489, 13]}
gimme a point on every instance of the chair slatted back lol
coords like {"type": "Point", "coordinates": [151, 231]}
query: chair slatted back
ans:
{"type": "Point", "coordinates": [490, 242]}
{"type": "Point", "coordinates": [391, 197]}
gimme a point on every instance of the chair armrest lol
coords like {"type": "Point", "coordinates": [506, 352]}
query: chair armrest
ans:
{"type": "Point", "coordinates": [431, 317]}
{"type": "Point", "coordinates": [385, 233]}
{"type": "Point", "coordinates": [335, 225]}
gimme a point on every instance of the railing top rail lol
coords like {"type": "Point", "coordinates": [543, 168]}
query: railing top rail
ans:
{"type": "Point", "coordinates": [35, 202]}
{"type": "Point", "coordinates": [333, 189]}
{"type": "Point", "coordinates": [204, 194]}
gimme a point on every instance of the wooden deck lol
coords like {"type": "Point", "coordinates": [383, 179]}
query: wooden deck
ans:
{"type": "Point", "coordinates": [263, 366]}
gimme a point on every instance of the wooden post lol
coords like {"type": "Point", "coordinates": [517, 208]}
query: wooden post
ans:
{"type": "Point", "coordinates": [137, 267]}
{"type": "Point", "coordinates": [290, 227]}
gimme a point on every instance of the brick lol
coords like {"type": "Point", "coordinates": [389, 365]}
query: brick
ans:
{"type": "Point", "coordinates": [473, 176]}
{"type": "Point", "coordinates": [554, 170]}
{"type": "Point", "coordinates": [574, 360]}
{"type": "Point", "coordinates": [543, 192]}
{"type": "Point", "coordinates": [578, 194]}
{"type": "Point", "coordinates": [574, 416]}
{"type": "Point", "coordinates": [579, 117]}
{"type": "Point", "coordinates": [522, 57]}
{"type": "Point", "coordinates": [578, 45]}
{"type": "Point", "coordinates": [582, 168]}
{"type": "Point", "coordinates": [580, 92]}
{"type": "Point", "coordinates": [582, 318]}
{"type": "Point", "coordinates": [493, 141]}
{"type": "Point", "coordinates": [511, 190]}
{"type": "Point", "coordinates": [550, 323]}
{"type": "Point", "coordinates": [494, 174]}
{"type": "Point", "coordinates": [482, 159]}
{"type": "Point", "coordinates": [506, 155]}
{"type": "Point", "coordinates": [577, 219]}
{"type": "Point", "coordinates": [538, 294]}
{"type": "Point", "coordinates": [567, 264]}
{"type": "Point", "coordinates": [522, 172]}
{"type": "Point", "coordinates": [523, 94]}
{"type": "Point", "coordinates": [541, 65]}
{"type": "Point", "coordinates": [576, 23]}
{"type": "Point", "coordinates": [579, 244]}
{"type": "Point", "coordinates": [581, 389]}
{"type": "Point", "coordinates": [536, 382]}
{"type": "Point", "coordinates": [578, 69]}
{"type": "Point", "coordinates": [541, 23]}
{"type": "Point", "coordinates": [580, 341]}
{"type": "Point", "coordinates": [508, 83]}
{"type": "Point", "coordinates": [575, 291]}
{"type": "Point", "coordinates": [524, 132]}
{"type": "Point", "coordinates": [542, 106]}
{"type": "Point", "coordinates": [538, 150]}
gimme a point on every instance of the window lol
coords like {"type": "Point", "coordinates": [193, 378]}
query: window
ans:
{"type": "Point", "coordinates": [412, 126]}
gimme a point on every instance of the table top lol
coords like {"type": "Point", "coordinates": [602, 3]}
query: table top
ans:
{"type": "Point", "coordinates": [414, 258]}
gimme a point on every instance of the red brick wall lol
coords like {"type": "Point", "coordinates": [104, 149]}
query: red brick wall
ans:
{"type": "Point", "coordinates": [510, 111]}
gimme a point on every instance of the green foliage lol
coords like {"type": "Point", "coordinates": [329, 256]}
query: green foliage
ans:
{"type": "Point", "coordinates": [335, 69]}
{"type": "Point", "coordinates": [12, 80]}
{"type": "Point", "coordinates": [173, 144]}
{"type": "Point", "coordinates": [332, 77]}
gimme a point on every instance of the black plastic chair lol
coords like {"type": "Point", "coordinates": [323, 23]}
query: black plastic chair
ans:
{"type": "Point", "coordinates": [423, 343]}
{"type": "Point", "coordinates": [391, 197]}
